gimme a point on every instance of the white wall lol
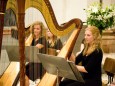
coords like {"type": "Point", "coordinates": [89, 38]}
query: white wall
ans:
{"type": "Point", "coordinates": [91, 1]}
{"type": "Point", "coordinates": [64, 10]}
{"type": "Point", "coordinates": [32, 15]}
{"type": "Point", "coordinates": [108, 2]}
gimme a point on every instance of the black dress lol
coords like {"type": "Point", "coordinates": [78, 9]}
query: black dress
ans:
{"type": "Point", "coordinates": [92, 64]}
{"type": "Point", "coordinates": [57, 44]}
{"type": "Point", "coordinates": [35, 70]}
{"type": "Point", "coordinates": [52, 49]}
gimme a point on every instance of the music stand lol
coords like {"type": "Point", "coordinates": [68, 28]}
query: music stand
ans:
{"type": "Point", "coordinates": [60, 67]}
{"type": "Point", "coordinates": [30, 53]}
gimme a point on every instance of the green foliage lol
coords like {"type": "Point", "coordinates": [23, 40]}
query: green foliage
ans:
{"type": "Point", "coordinates": [101, 17]}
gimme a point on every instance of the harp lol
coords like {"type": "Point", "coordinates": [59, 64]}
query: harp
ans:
{"type": "Point", "coordinates": [49, 79]}
{"type": "Point", "coordinates": [45, 8]}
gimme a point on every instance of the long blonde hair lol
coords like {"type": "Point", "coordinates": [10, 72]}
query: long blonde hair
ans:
{"type": "Point", "coordinates": [96, 43]}
{"type": "Point", "coordinates": [53, 39]}
{"type": "Point", "coordinates": [41, 25]}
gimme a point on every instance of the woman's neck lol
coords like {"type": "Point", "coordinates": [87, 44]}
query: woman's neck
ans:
{"type": "Point", "coordinates": [37, 37]}
{"type": "Point", "coordinates": [50, 40]}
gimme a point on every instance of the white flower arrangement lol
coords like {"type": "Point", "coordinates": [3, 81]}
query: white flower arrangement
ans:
{"type": "Point", "coordinates": [100, 17]}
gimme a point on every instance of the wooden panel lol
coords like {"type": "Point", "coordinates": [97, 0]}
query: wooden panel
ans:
{"type": "Point", "coordinates": [8, 78]}
{"type": "Point", "coordinates": [107, 67]}
{"type": "Point", "coordinates": [108, 42]}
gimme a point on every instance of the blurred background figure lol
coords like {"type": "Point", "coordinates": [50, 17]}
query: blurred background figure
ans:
{"type": "Point", "coordinates": [35, 71]}
{"type": "Point", "coordinates": [91, 59]}
{"type": "Point", "coordinates": [54, 43]}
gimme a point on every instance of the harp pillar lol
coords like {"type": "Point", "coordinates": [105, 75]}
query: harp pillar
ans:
{"type": "Point", "coordinates": [21, 37]}
{"type": "Point", "coordinates": [2, 12]}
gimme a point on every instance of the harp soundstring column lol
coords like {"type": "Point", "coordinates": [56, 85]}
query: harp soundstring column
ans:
{"type": "Point", "coordinates": [57, 84]}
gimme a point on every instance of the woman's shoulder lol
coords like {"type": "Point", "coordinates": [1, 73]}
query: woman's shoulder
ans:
{"type": "Point", "coordinates": [43, 38]}
{"type": "Point", "coordinates": [58, 39]}
{"type": "Point", "coordinates": [99, 51]}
